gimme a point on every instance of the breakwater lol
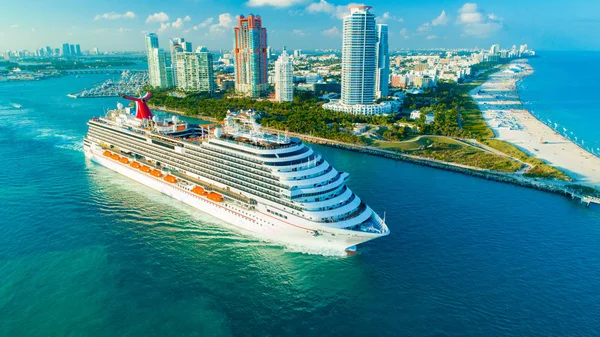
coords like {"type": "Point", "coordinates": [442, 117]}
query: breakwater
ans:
{"type": "Point", "coordinates": [509, 178]}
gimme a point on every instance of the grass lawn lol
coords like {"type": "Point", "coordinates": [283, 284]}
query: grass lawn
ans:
{"type": "Point", "coordinates": [416, 143]}
{"type": "Point", "coordinates": [450, 150]}
{"type": "Point", "coordinates": [472, 157]}
{"type": "Point", "coordinates": [540, 168]}
{"type": "Point", "coordinates": [472, 118]}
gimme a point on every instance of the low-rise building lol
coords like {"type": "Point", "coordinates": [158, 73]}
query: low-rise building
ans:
{"type": "Point", "coordinates": [382, 108]}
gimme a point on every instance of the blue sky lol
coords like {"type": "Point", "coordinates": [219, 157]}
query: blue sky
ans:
{"type": "Point", "coordinates": [305, 24]}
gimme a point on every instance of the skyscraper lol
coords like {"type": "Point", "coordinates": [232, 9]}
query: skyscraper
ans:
{"type": "Point", "coordinates": [156, 62]}
{"type": "Point", "coordinates": [72, 50]}
{"type": "Point", "coordinates": [48, 51]}
{"type": "Point", "coordinates": [383, 62]}
{"type": "Point", "coordinates": [65, 49]}
{"type": "Point", "coordinates": [250, 52]}
{"type": "Point", "coordinates": [194, 71]}
{"type": "Point", "coordinates": [77, 50]}
{"type": "Point", "coordinates": [176, 46]}
{"type": "Point", "coordinates": [359, 56]}
{"type": "Point", "coordinates": [494, 49]}
{"type": "Point", "coordinates": [365, 65]}
{"type": "Point", "coordinates": [284, 78]}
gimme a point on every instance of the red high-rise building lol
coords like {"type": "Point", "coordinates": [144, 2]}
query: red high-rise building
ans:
{"type": "Point", "coordinates": [250, 51]}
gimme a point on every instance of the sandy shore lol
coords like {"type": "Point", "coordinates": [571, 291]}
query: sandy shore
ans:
{"type": "Point", "coordinates": [502, 110]}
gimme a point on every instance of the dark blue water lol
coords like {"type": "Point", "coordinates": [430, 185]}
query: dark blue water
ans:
{"type": "Point", "coordinates": [86, 252]}
{"type": "Point", "coordinates": [563, 92]}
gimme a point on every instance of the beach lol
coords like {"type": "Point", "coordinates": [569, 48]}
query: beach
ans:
{"type": "Point", "coordinates": [502, 109]}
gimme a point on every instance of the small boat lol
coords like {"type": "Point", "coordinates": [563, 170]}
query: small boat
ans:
{"type": "Point", "coordinates": [16, 105]}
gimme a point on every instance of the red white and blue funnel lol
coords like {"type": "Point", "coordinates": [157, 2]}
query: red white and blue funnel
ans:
{"type": "Point", "coordinates": [142, 111]}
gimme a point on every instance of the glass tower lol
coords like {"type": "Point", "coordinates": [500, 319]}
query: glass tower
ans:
{"type": "Point", "coordinates": [383, 62]}
{"type": "Point", "coordinates": [359, 60]}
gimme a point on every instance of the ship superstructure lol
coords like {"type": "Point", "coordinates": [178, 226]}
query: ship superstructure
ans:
{"type": "Point", "coordinates": [270, 184]}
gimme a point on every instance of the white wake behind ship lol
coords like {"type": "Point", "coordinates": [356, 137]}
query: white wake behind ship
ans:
{"type": "Point", "coordinates": [271, 185]}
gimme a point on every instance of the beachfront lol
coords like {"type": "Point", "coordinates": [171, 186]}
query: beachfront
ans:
{"type": "Point", "coordinates": [503, 111]}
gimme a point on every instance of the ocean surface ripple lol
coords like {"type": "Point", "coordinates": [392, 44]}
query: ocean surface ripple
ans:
{"type": "Point", "coordinates": [87, 252]}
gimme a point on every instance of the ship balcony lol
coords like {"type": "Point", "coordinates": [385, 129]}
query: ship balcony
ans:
{"type": "Point", "coordinates": [334, 199]}
{"type": "Point", "coordinates": [374, 225]}
{"type": "Point", "coordinates": [347, 211]}
{"type": "Point", "coordinates": [334, 182]}
{"type": "Point", "coordinates": [298, 175]}
{"type": "Point", "coordinates": [317, 181]}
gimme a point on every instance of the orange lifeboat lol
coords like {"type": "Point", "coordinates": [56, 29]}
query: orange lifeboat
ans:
{"type": "Point", "coordinates": [107, 153]}
{"type": "Point", "coordinates": [115, 157]}
{"type": "Point", "coordinates": [124, 160]}
{"type": "Point", "coordinates": [215, 197]}
{"type": "Point", "coordinates": [145, 169]}
{"type": "Point", "coordinates": [156, 173]}
{"type": "Point", "coordinates": [136, 165]}
{"type": "Point", "coordinates": [170, 179]}
{"type": "Point", "coordinates": [199, 190]}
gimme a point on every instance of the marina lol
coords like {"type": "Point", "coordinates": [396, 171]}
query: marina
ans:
{"type": "Point", "coordinates": [130, 83]}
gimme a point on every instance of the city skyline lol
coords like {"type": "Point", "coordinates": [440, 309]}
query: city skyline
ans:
{"type": "Point", "coordinates": [456, 24]}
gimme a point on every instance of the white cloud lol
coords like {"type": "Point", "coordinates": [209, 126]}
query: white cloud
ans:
{"type": "Point", "coordinates": [33, 30]}
{"type": "Point", "coordinates": [431, 37]}
{"type": "Point", "coordinates": [441, 20]}
{"type": "Point", "coordinates": [321, 7]}
{"type": "Point", "coordinates": [325, 7]}
{"type": "Point", "coordinates": [187, 18]}
{"type": "Point", "coordinates": [404, 33]}
{"type": "Point", "coordinates": [274, 3]}
{"type": "Point", "coordinates": [468, 14]}
{"type": "Point", "coordinates": [157, 17]}
{"type": "Point", "coordinates": [123, 30]}
{"type": "Point", "coordinates": [386, 17]}
{"type": "Point", "coordinates": [205, 23]}
{"type": "Point", "coordinates": [424, 27]}
{"type": "Point", "coordinates": [225, 22]}
{"type": "Point", "coordinates": [476, 23]}
{"type": "Point", "coordinates": [299, 32]}
{"type": "Point", "coordinates": [331, 32]}
{"type": "Point", "coordinates": [177, 24]}
{"type": "Point", "coordinates": [164, 26]}
{"type": "Point", "coordinates": [14, 26]}
{"type": "Point", "coordinates": [115, 16]}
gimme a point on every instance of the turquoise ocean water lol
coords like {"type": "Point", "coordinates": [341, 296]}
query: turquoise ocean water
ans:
{"type": "Point", "coordinates": [87, 252]}
{"type": "Point", "coordinates": [563, 93]}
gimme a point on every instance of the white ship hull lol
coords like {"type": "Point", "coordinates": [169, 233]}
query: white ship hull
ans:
{"type": "Point", "coordinates": [256, 222]}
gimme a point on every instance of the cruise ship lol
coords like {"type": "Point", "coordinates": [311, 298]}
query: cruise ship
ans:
{"type": "Point", "coordinates": [270, 185]}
